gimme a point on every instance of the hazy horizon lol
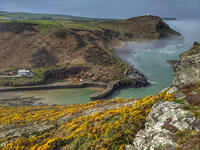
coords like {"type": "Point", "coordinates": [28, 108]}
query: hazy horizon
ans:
{"type": "Point", "coordinates": [115, 9]}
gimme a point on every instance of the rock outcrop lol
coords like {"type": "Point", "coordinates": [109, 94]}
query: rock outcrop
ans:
{"type": "Point", "coordinates": [164, 119]}
{"type": "Point", "coordinates": [187, 69]}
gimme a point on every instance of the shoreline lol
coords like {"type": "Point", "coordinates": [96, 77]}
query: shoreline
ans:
{"type": "Point", "coordinates": [108, 89]}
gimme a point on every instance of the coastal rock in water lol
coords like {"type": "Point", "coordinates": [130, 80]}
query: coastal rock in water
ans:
{"type": "Point", "coordinates": [164, 120]}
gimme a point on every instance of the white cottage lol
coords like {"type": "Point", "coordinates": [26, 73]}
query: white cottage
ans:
{"type": "Point", "coordinates": [24, 72]}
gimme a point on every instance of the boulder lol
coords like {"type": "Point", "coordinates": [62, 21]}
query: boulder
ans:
{"type": "Point", "coordinates": [165, 119]}
{"type": "Point", "coordinates": [187, 70]}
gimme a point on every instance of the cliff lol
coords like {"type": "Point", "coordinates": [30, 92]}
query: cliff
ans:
{"type": "Point", "coordinates": [163, 128]}
{"type": "Point", "coordinates": [71, 49]}
{"type": "Point", "coordinates": [186, 70]}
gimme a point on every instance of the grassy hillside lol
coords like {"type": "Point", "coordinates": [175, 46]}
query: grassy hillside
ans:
{"type": "Point", "coordinates": [122, 26]}
{"type": "Point", "coordinates": [2, 17]}
{"type": "Point", "coordinates": [61, 44]}
{"type": "Point", "coordinates": [194, 50]}
{"type": "Point", "coordinates": [23, 15]}
{"type": "Point", "coordinates": [138, 25]}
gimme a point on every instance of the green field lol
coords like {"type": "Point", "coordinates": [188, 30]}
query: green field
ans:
{"type": "Point", "coordinates": [68, 24]}
{"type": "Point", "coordinates": [2, 17]}
{"type": "Point", "coordinates": [66, 21]}
{"type": "Point", "coordinates": [74, 22]}
{"type": "Point", "coordinates": [22, 15]}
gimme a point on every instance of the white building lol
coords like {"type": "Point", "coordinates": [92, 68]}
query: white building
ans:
{"type": "Point", "coordinates": [148, 14]}
{"type": "Point", "coordinates": [82, 80]}
{"type": "Point", "coordinates": [24, 72]}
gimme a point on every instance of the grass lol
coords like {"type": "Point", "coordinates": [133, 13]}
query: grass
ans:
{"type": "Point", "coordinates": [111, 24]}
{"type": "Point", "coordinates": [115, 25]}
{"type": "Point", "coordinates": [194, 50]}
{"type": "Point", "coordinates": [78, 144]}
{"type": "Point", "coordinates": [192, 93]}
{"type": "Point", "coordinates": [23, 15]}
{"type": "Point", "coordinates": [121, 27]}
{"type": "Point", "coordinates": [78, 25]}
{"type": "Point", "coordinates": [180, 101]}
{"type": "Point", "coordinates": [39, 72]}
{"type": "Point", "coordinates": [1, 17]}
{"type": "Point", "coordinates": [37, 79]}
{"type": "Point", "coordinates": [20, 81]}
{"type": "Point", "coordinates": [187, 140]}
{"type": "Point", "coordinates": [195, 110]}
{"type": "Point", "coordinates": [48, 25]}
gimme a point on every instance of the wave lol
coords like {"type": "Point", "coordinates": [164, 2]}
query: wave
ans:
{"type": "Point", "coordinates": [148, 74]}
{"type": "Point", "coordinates": [170, 46]}
{"type": "Point", "coordinates": [133, 54]}
{"type": "Point", "coordinates": [153, 82]}
{"type": "Point", "coordinates": [166, 51]}
{"type": "Point", "coordinates": [147, 50]}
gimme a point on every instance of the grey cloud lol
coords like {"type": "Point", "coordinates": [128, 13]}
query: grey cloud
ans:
{"type": "Point", "coordinates": [106, 8]}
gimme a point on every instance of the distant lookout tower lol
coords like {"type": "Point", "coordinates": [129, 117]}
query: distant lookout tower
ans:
{"type": "Point", "coordinates": [148, 14]}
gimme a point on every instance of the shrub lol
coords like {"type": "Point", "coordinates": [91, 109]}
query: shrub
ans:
{"type": "Point", "coordinates": [193, 99]}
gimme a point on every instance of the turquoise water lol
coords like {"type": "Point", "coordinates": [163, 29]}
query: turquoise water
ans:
{"type": "Point", "coordinates": [150, 61]}
{"type": "Point", "coordinates": [61, 96]}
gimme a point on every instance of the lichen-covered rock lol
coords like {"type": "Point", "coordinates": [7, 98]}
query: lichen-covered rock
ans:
{"type": "Point", "coordinates": [172, 90]}
{"type": "Point", "coordinates": [164, 120]}
{"type": "Point", "coordinates": [187, 69]}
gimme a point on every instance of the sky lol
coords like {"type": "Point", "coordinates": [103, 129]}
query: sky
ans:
{"type": "Point", "coordinates": [106, 8]}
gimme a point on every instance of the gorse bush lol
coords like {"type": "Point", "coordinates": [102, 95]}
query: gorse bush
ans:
{"type": "Point", "coordinates": [109, 129]}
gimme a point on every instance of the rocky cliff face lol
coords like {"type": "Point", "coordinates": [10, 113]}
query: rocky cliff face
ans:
{"type": "Point", "coordinates": [164, 120]}
{"type": "Point", "coordinates": [187, 69]}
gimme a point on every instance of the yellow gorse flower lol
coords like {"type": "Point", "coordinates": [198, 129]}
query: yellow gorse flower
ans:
{"type": "Point", "coordinates": [101, 130]}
